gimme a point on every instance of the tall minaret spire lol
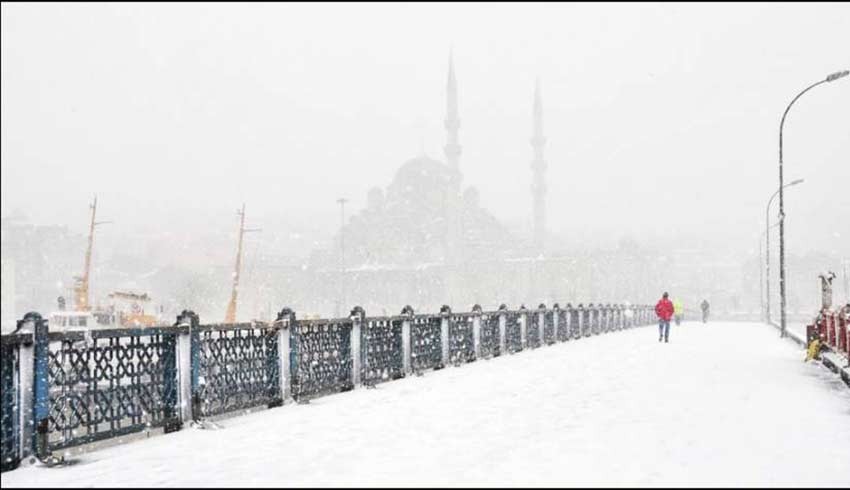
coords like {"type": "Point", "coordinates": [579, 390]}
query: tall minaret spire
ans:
{"type": "Point", "coordinates": [452, 148]}
{"type": "Point", "coordinates": [453, 208]}
{"type": "Point", "coordinates": [538, 168]}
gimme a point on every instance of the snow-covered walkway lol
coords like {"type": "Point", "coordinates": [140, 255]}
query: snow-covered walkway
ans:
{"type": "Point", "coordinates": [722, 404]}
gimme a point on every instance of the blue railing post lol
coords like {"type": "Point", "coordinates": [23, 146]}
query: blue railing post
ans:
{"type": "Point", "coordinates": [41, 384]}
{"type": "Point", "coordinates": [274, 367]}
{"type": "Point", "coordinates": [194, 362]}
{"type": "Point", "coordinates": [171, 384]}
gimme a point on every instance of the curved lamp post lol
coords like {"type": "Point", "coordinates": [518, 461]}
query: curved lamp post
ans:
{"type": "Point", "coordinates": [831, 78]}
{"type": "Point", "coordinates": [767, 226]}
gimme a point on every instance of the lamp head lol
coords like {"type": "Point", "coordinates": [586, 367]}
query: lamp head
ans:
{"type": "Point", "coordinates": [839, 74]}
{"type": "Point", "coordinates": [795, 182]}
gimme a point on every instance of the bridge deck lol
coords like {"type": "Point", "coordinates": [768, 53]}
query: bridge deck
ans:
{"type": "Point", "coordinates": [723, 403]}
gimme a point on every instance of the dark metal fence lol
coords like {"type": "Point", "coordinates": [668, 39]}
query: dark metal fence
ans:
{"type": "Point", "coordinates": [82, 386]}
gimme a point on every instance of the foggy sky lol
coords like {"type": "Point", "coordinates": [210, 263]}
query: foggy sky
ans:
{"type": "Point", "coordinates": [661, 119]}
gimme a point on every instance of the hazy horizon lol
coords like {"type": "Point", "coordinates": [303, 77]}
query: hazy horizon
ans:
{"type": "Point", "coordinates": [661, 119]}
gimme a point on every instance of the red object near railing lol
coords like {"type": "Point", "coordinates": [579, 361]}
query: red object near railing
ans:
{"type": "Point", "coordinates": [829, 320]}
{"type": "Point", "coordinates": [833, 329]}
{"type": "Point", "coordinates": [842, 318]}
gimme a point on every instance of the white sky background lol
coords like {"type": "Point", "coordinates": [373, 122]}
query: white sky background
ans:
{"type": "Point", "coordinates": [661, 119]}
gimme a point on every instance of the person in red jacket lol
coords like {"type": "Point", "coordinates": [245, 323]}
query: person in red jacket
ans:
{"type": "Point", "coordinates": [664, 310]}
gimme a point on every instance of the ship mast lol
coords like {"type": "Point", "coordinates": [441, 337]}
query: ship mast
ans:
{"type": "Point", "coordinates": [230, 316]}
{"type": "Point", "coordinates": [81, 289]}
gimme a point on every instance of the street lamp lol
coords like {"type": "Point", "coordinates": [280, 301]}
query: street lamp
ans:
{"type": "Point", "coordinates": [764, 315]}
{"type": "Point", "coordinates": [767, 244]}
{"type": "Point", "coordinates": [831, 78]}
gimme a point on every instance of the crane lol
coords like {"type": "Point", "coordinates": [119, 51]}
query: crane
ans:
{"type": "Point", "coordinates": [230, 316]}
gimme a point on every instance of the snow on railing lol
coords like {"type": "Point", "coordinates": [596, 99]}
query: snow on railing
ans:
{"type": "Point", "coordinates": [73, 387]}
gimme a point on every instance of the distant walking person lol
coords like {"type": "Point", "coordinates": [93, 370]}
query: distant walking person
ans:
{"type": "Point", "coordinates": [704, 307]}
{"type": "Point", "coordinates": [678, 310]}
{"type": "Point", "coordinates": [664, 310]}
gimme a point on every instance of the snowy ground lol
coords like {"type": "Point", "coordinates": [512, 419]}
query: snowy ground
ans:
{"type": "Point", "coordinates": [722, 404]}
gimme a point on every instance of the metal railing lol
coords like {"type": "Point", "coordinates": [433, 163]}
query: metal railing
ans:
{"type": "Point", "coordinates": [63, 389]}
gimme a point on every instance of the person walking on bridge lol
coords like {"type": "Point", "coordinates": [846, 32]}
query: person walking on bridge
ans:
{"type": "Point", "coordinates": [704, 307]}
{"type": "Point", "coordinates": [664, 310]}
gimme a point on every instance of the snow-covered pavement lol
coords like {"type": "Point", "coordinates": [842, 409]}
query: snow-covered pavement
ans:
{"type": "Point", "coordinates": [722, 404]}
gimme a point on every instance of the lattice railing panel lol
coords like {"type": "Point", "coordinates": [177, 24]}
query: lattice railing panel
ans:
{"type": "Point", "coordinates": [549, 326]}
{"type": "Point", "coordinates": [320, 357]}
{"type": "Point", "coordinates": [426, 342]}
{"type": "Point", "coordinates": [381, 350]}
{"type": "Point", "coordinates": [239, 368]}
{"type": "Point", "coordinates": [461, 339]}
{"type": "Point", "coordinates": [489, 335]}
{"type": "Point", "coordinates": [105, 387]}
{"type": "Point", "coordinates": [513, 332]}
{"type": "Point", "coordinates": [533, 329]}
{"type": "Point", "coordinates": [9, 429]}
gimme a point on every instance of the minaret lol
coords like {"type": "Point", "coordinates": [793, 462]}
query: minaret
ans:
{"type": "Point", "coordinates": [452, 148]}
{"type": "Point", "coordinates": [454, 247]}
{"type": "Point", "coordinates": [538, 168]}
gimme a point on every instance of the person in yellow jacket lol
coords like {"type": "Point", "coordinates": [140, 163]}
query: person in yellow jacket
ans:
{"type": "Point", "coordinates": [813, 350]}
{"type": "Point", "coordinates": [678, 310]}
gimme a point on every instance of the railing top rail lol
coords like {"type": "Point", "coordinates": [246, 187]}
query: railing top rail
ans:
{"type": "Point", "coordinates": [237, 326]}
{"type": "Point", "coordinates": [15, 338]}
{"type": "Point", "coordinates": [426, 315]}
{"type": "Point", "coordinates": [385, 318]}
{"type": "Point", "coordinates": [323, 321]}
{"type": "Point", "coordinates": [100, 333]}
